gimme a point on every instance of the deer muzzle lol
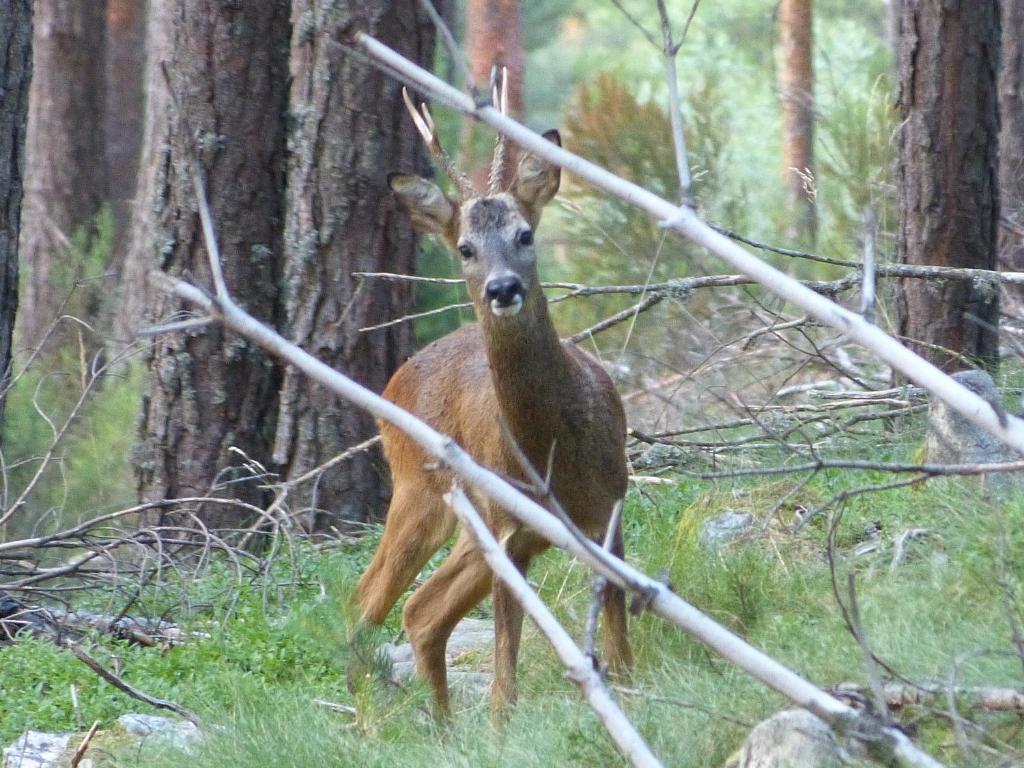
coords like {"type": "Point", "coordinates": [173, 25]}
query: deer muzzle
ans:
{"type": "Point", "coordinates": [505, 295]}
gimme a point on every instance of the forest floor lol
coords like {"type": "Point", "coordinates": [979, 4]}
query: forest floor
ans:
{"type": "Point", "coordinates": [268, 646]}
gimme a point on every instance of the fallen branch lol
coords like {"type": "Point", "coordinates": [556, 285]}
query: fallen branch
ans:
{"type": "Point", "coordinates": [76, 759]}
{"type": "Point", "coordinates": [58, 625]}
{"type": "Point", "coordinates": [898, 695]}
{"type": "Point", "coordinates": [912, 271]}
{"type": "Point", "coordinates": [132, 691]}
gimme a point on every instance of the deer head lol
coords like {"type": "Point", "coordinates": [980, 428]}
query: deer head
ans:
{"type": "Point", "coordinates": [492, 233]}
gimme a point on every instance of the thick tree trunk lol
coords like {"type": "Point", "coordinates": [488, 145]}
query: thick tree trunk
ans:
{"type": "Point", "coordinates": [211, 394]}
{"type": "Point", "coordinates": [494, 37]}
{"type": "Point", "coordinates": [15, 75]}
{"type": "Point", "coordinates": [948, 60]}
{"type": "Point", "coordinates": [65, 165]}
{"type": "Point", "coordinates": [350, 130]}
{"type": "Point", "coordinates": [1011, 139]}
{"type": "Point", "coordinates": [796, 86]}
{"type": "Point", "coordinates": [143, 244]}
{"type": "Point", "coordinates": [125, 60]}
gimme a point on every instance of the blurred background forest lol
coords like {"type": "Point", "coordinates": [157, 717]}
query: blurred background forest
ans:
{"type": "Point", "coordinates": [587, 71]}
{"type": "Point", "coordinates": [154, 464]}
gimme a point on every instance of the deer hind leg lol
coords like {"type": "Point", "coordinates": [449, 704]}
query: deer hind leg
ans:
{"type": "Point", "coordinates": [418, 523]}
{"type": "Point", "coordinates": [454, 589]}
{"type": "Point", "coordinates": [617, 652]}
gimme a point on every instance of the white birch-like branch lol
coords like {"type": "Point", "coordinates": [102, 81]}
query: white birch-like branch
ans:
{"type": "Point", "coordinates": [1008, 429]}
{"type": "Point", "coordinates": [580, 667]}
{"type": "Point", "coordinates": [889, 742]}
{"type": "Point", "coordinates": [867, 293]}
{"type": "Point", "coordinates": [675, 107]}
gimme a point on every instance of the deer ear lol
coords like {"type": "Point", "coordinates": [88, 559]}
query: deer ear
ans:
{"type": "Point", "coordinates": [429, 208]}
{"type": "Point", "coordinates": [537, 180]}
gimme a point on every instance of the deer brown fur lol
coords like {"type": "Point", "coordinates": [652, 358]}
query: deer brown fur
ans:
{"type": "Point", "coordinates": [556, 402]}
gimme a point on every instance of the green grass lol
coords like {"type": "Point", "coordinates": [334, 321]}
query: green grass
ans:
{"type": "Point", "coordinates": [267, 656]}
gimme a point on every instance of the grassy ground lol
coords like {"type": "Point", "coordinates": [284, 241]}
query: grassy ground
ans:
{"type": "Point", "coordinates": [267, 655]}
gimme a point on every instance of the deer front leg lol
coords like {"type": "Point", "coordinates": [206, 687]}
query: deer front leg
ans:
{"type": "Point", "coordinates": [462, 581]}
{"type": "Point", "coordinates": [418, 523]}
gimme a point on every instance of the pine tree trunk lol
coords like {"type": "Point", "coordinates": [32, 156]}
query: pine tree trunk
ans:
{"type": "Point", "coordinates": [946, 176]}
{"type": "Point", "coordinates": [211, 394]}
{"type": "Point", "coordinates": [796, 84]}
{"type": "Point", "coordinates": [1011, 139]}
{"type": "Point", "coordinates": [494, 37]}
{"type": "Point", "coordinates": [350, 130]}
{"type": "Point", "coordinates": [125, 60]}
{"type": "Point", "coordinates": [15, 76]}
{"type": "Point", "coordinates": [65, 166]}
{"type": "Point", "coordinates": [142, 250]}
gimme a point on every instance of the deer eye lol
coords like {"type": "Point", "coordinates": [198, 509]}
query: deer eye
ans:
{"type": "Point", "coordinates": [526, 237]}
{"type": "Point", "coordinates": [466, 250]}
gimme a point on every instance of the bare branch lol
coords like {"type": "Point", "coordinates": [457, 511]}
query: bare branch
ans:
{"type": "Point", "coordinates": [867, 293]}
{"type": "Point", "coordinates": [458, 58]}
{"type": "Point", "coordinates": [132, 691]}
{"type": "Point", "coordinates": [675, 109]}
{"type": "Point", "coordinates": [899, 696]}
{"type": "Point", "coordinates": [857, 628]}
{"type": "Point", "coordinates": [636, 23]}
{"type": "Point", "coordinates": [199, 187]}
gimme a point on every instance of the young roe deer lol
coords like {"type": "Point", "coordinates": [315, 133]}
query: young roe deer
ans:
{"type": "Point", "coordinates": [556, 402]}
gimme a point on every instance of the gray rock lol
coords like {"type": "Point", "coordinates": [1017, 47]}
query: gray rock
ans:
{"type": "Point", "coordinates": [717, 531]}
{"type": "Point", "coordinates": [659, 456]}
{"type": "Point", "coordinates": [793, 738]}
{"type": "Point", "coordinates": [180, 734]}
{"type": "Point", "coordinates": [34, 749]}
{"type": "Point", "coordinates": [469, 636]}
{"type": "Point", "coordinates": [952, 439]}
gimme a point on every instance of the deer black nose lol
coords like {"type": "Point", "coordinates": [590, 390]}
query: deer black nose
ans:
{"type": "Point", "coordinates": [504, 291]}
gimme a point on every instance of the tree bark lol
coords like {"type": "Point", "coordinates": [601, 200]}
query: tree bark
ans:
{"type": "Point", "coordinates": [15, 76]}
{"type": "Point", "coordinates": [946, 176]}
{"type": "Point", "coordinates": [796, 86]}
{"type": "Point", "coordinates": [494, 37]}
{"type": "Point", "coordinates": [350, 129]}
{"type": "Point", "coordinates": [1011, 137]}
{"type": "Point", "coordinates": [142, 246]}
{"type": "Point", "coordinates": [125, 62]}
{"type": "Point", "coordinates": [65, 165]}
{"type": "Point", "coordinates": [210, 394]}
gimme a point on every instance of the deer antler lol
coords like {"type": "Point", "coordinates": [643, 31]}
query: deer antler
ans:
{"type": "Point", "coordinates": [425, 125]}
{"type": "Point", "coordinates": [500, 99]}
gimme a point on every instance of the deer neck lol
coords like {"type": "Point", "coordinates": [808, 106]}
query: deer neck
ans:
{"type": "Point", "coordinates": [531, 373]}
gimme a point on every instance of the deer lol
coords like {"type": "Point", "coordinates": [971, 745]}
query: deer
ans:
{"type": "Point", "coordinates": [504, 388]}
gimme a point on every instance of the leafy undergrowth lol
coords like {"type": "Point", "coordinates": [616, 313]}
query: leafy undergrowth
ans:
{"type": "Point", "coordinates": [266, 655]}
